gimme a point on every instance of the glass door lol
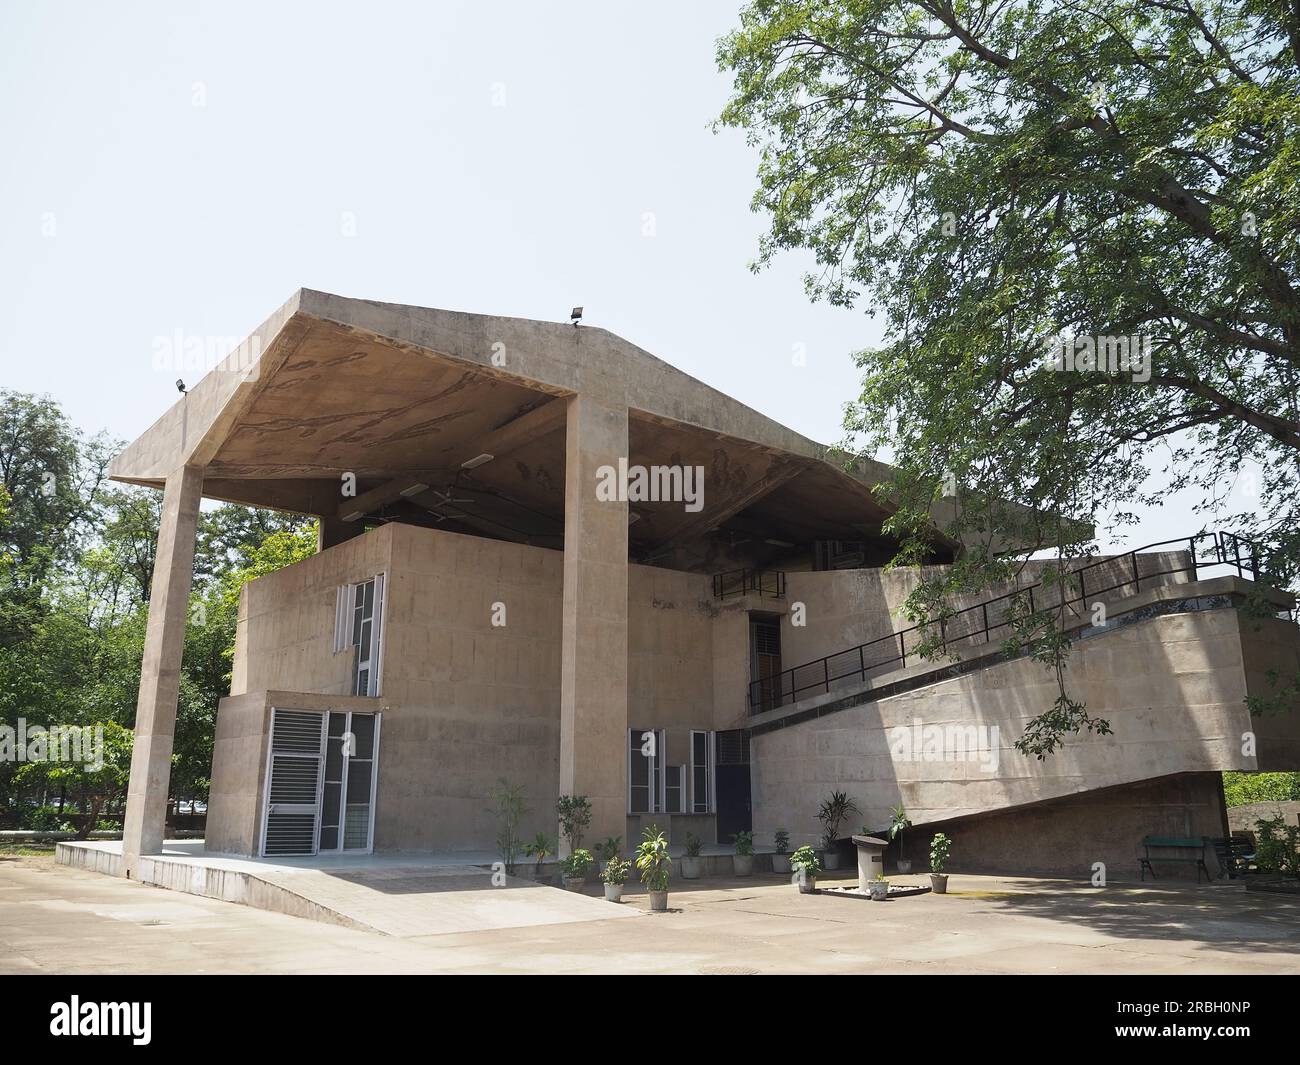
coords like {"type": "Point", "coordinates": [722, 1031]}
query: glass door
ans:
{"type": "Point", "coordinates": [347, 797]}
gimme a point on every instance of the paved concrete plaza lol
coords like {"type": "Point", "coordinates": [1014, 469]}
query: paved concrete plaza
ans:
{"type": "Point", "coordinates": [59, 920]}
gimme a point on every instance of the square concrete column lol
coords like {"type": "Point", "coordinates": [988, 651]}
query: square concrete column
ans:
{"type": "Point", "coordinates": [332, 531]}
{"type": "Point", "coordinates": [160, 669]}
{"type": "Point", "coordinates": [593, 676]}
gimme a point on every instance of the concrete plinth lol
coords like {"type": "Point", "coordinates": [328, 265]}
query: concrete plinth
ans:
{"type": "Point", "coordinates": [871, 859]}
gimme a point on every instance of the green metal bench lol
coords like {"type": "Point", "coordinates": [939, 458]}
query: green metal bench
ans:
{"type": "Point", "coordinates": [1236, 857]}
{"type": "Point", "coordinates": [1173, 843]}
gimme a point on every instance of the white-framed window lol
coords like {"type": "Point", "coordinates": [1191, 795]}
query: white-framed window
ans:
{"type": "Point", "coordinates": [358, 627]}
{"type": "Point", "coordinates": [675, 789]}
{"type": "Point", "coordinates": [645, 771]}
{"type": "Point", "coordinates": [701, 772]}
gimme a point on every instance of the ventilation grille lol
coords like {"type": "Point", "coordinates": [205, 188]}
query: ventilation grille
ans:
{"type": "Point", "coordinates": [290, 833]}
{"type": "Point", "coordinates": [733, 747]}
{"type": "Point", "coordinates": [767, 637]}
{"type": "Point", "coordinates": [296, 732]}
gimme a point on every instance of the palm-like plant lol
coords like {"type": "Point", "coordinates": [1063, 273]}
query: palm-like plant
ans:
{"type": "Point", "coordinates": [653, 860]}
{"type": "Point", "coordinates": [832, 813]}
{"type": "Point", "coordinates": [898, 822]}
{"type": "Point", "coordinates": [541, 848]}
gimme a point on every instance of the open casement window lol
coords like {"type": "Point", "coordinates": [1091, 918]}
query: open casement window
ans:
{"type": "Point", "coordinates": [358, 626]}
{"type": "Point", "coordinates": [702, 758]}
{"type": "Point", "coordinates": [645, 771]}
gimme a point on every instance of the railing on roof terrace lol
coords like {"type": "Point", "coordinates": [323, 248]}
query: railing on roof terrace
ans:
{"type": "Point", "coordinates": [890, 652]}
{"type": "Point", "coordinates": [769, 583]}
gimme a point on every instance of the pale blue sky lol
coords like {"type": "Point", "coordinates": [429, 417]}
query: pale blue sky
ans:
{"type": "Point", "coordinates": [186, 166]}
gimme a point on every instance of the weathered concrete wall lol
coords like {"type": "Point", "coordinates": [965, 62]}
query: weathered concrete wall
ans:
{"type": "Point", "coordinates": [284, 637]}
{"type": "Point", "coordinates": [475, 702]}
{"type": "Point", "coordinates": [239, 752]}
{"type": "Point", "coordinates": [845, 608]}
{"type": "Point", "coordinates": [469, 702]}
{"type": "Point", "coordinates": [1172, 688]}
{"type": "Point", "coordinates": [1064, 837]}
{"type": "Point", "coordinates": [1243, 818]}
{"type": "Point", "coordinates": [1271, 656]}
{"type": "Point", "coordinates": [670, 650]}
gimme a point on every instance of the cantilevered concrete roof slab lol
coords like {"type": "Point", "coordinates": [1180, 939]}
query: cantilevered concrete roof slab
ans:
{"type": "Point", "coordinates": [403, 396]}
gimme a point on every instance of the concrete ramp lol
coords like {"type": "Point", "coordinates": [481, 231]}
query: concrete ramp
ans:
{"type": "Point", "coordinates": [398, 896]}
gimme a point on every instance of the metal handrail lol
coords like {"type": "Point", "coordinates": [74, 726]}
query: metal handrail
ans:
{"type": "Point", "coordinates": [1226, 550]}
{"type": "Point", "coordinates": [768, 583]}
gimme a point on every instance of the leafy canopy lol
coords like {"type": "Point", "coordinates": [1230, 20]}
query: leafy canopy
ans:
{"type": "Point", "coordinates": [987, 176]}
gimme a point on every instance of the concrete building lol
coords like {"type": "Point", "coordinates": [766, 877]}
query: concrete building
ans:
{"type": "Point", "coordinates": [548, 557]}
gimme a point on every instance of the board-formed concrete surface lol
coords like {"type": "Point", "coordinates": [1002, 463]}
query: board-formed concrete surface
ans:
{"type": "Point", "coordinates": [395, 895]}
{"type": "Point", "coordinates": [54, 919]}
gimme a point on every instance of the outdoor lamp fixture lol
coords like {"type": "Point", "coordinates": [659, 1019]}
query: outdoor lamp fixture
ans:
{"type": "Point", "coordinates": [476, 461]}
{"type": "Point", "coordinates": [779, 543]}
{"type": "Point", "coordinates": [576, 314]}
{"type": "Point", "coordinates": [180, 385]}
{"type": "Point", "coordinates": [413, 490]}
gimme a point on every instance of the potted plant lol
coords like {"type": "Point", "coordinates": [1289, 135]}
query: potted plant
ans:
{"type": "Point", "coordinates": [614, 877]}
{"type": "Point", "coordinates": [744, 856]}
{"type": "Point", "coordinates": [939, 847]}
{"type": "Point", "coordinates": [691, 862]}
{"type": "Point", "coordinates": [806, 865]}
{"type": "Point", "coordinates": [576, 866]}
{"type": "Point", "coordinates": [898, 821]}
{"type": "Point", "coordinates": [831, 814]}
{"type": "Point", "coordinates": [781, 859]}
{"type": "Point", "coordinates": [879, 888]}
{"type": "Point", "coordinates": [509, 808]}
{"type": "Point", "coordinates": [574, 812]}
{"type": "Point", "coordinates": [541, 848]}
{"type": "Point", "coordinates": [655, 866]}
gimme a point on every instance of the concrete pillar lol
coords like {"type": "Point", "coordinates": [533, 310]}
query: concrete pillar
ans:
{"type": "Point", "coordinates": [160, 669]}
{"type": "Point", "coordinates": [331, 531]}
{"type": "Point", "coordinates": [593, 677]}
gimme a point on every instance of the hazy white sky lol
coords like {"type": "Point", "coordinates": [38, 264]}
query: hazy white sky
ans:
{"type": "Point", "coordinates": [187, 166]}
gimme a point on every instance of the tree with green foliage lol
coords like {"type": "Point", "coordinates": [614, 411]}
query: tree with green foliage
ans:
{"type": "Point", "coordinates": [94, 782]}
{"type": "Point", "coordinates": [76, 569]}
{"type": "Point", "coordinates": [1002, 182]}
{"type": "Point", "coordinates": [1242, 789]}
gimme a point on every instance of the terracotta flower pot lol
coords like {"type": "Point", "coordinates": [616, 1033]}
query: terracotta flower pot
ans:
{"type": "Point", "coordinates": [781, 863]}
{"type": "Point", "coordinates": [691, 868]}
{"type": "Point", "coordinates": [744, 864]}
{"type": "Point", "coordinates": [574, 883]}
{"type": "Point", "coordinates": [807, 885]}
{"type": "Point", "coordinates": [658, 901]}
{"type": "Point", "coordinates": [939, 883]}
{"type": "Point", "coordinates": [613, 892]}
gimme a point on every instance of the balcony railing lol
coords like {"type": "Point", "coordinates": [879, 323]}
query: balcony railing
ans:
{"type": "Point", "coordinates": [768, 583]}
{"type": "Point", "coordinates": [983, 620]}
